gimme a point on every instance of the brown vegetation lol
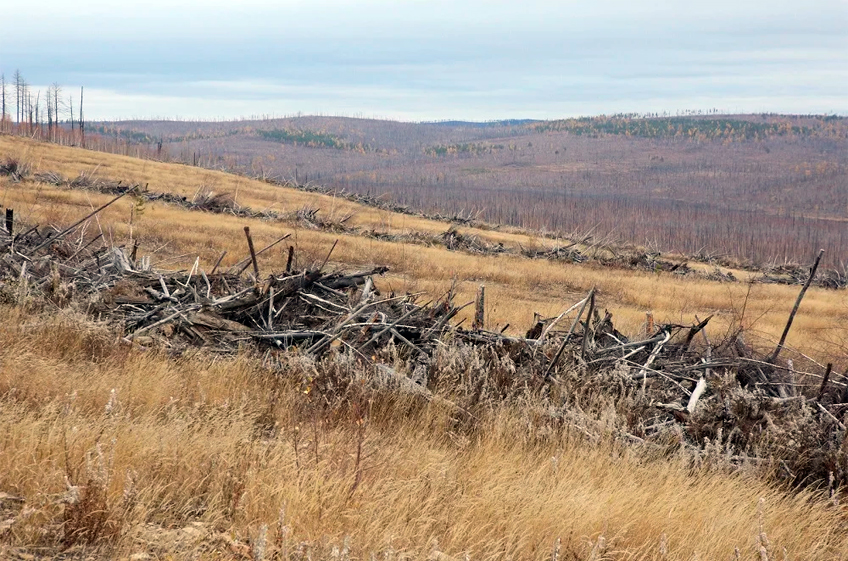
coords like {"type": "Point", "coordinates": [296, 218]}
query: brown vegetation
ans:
{"type": "Point", "coordinates": [760, 188]}
{"type": "Point", "coordinates": [117, 450]}
{"type": "Point", "coordinates": [517, 286]}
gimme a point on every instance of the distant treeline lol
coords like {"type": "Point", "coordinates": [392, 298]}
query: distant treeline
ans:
{"type": "Point", "coordinates": [312, 139]}
{"type": "Point", "coordinates": [463, 148]}
{"type": "Point", "coordinates": [306, 138]}
{"type": "Point", "coordinates": [760, 187]}
{"type": "Point", "coordinates": [47, 115]}
{"type": "Point", "coordinates": [677, 127]}
{"type": "Point", "coordinates": [125, 134]}
{"type": "Point", "coordinates": [756, 236]}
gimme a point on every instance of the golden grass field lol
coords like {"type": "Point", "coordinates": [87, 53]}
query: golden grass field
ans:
{"type": "Point", "coordinates": [200, 457]}
{"type": "Point", "coordinates": [198, 452]}
{"type": "Point", "coordinates": [516, 287]}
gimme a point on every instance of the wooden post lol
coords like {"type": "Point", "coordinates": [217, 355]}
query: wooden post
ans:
{"type": "Point", "coordinates": [10, 220]}
{"type": "Point", "coordinates": [825, 380]}
{"type": "Point", "coordinates": [588, 330]}
{"type": "Point", "coordinates": [289, 260]}
{"type": "Point", "coordinates": [480, 308]}
{"type": "Point", "coordinates": [252, 251]}
{"type": "Point", "coordinates": [649, 323]}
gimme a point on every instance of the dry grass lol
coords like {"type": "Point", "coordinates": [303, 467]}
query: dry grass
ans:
{"type": "Point", "coordinates": [517, 287]}
{"type": "Point", "coordinates": [118, 451]}
{"type": "Point", "coordinates": [194, 457]}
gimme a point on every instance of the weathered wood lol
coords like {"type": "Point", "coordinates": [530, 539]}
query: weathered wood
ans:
{"type": "Point", "coordinates": [245, 263]}
{"type": "Point", "coordinates": [252, 252]}
{"type": "Point", "coordinates": [553, 323]}
{"type": "Point", "coordinates": [825, 380]}
{"type": "Point", "coordinates": [700, 388]}
{"type": "Point", "coordinates": [567, 337]}
{"type": "Point", "coordinates": [780, 344]}
{"type": "Point", "coordinates": [327, 259]}
{"type": "Point", "coordinates": [587, 331]}
{"type": "Point", "coordinates": [653, 357]}
{"type": "Point", "coordinates": [73, 226]}
{"type": "Point", "coordinates": [695, 330]}
{"type": "Point", "coordinates": [480, 308]}
{"type": "Point", "coordinates": [218, 262]}
{"type": "Point", "coordinates": [290, 258]}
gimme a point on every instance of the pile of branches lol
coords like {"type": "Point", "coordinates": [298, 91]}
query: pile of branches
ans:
{"type": "Point", "coordinates": [464, 218]}
{"type": "Point", "coordinates": [796, 274]}
{"type": "Point", "coordinates": [671, 388]}
{"type": "Point", "coordinates": [647, 261]}
{"type": "Point", "coordinates": [454, 240]}
{"type": "Point", "coordinates": [204, 199]}
{"type": "Point", "coordinates": [644, 260]}
{"type": "Point", "coordinates": [569, 253]}
{"type": "Point", "coordinates": [14, 169]}
{"type": "Point", "coordinates": [308, 216]}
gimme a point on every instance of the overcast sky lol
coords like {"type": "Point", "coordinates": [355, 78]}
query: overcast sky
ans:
{"type": "Point", "coordinates": [429, 60]}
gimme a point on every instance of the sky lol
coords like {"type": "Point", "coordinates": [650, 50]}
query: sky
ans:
{"type": "Point", "coordinates": [432, 60]}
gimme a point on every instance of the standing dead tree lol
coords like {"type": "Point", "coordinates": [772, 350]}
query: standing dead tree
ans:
{"type": "Point", "coordinates": [2, 101]}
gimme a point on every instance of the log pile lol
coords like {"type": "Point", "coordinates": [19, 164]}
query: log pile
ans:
{"type": "Point", "coordinates": [222, 311]}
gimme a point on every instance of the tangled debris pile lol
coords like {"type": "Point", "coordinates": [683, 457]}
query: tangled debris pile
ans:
{"type": "Point", "coordinates": [672, 389]}
{"type": "Point", "coordinates": [568, 252]}
{"type": "Point", "coordinates": [455, 240]}
{"type": "Point", "coordinates": [14, 169]}
{"type": "Point", "coordinates": [796, 274]}
{"type": "Point", "coordinates": [579, 249]}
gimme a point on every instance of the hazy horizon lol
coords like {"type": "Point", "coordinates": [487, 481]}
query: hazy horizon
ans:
{"type": "Point", "coordinates": [431, 61]}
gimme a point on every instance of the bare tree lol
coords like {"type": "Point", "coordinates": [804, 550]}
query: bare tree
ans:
{"type": "Point", "coordinates": [19, 97]}
{"type": "Point", "coordinates": [34, 125]}
{"type": "Point", "coordinates": [50, 112]}
{"type": "Point", "coordinates": [3, 102]}
{"type": "Point", "coordinates": [28, 116]}
{"type": "Point", "coordinates": [81, 121]}
{"type": "Point", "coordinates": [57, 90]}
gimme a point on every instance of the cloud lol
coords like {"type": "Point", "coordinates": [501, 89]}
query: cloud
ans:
{"type": "Point", "coordinates": [416, 58]}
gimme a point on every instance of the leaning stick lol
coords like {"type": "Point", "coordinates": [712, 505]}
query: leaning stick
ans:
{"type": "Point", "coordinates": [245, 263]}
{"type": "Point", "coordinates": [554, 322]}
{"type": "Point", "coordinates": [568, 335]}
{"type": "Point", "coordinates": [779, 348]}
{"type": "Point", "coordinates": [252, 252]}
{"type": "Point", "coordinates": [67, 230]}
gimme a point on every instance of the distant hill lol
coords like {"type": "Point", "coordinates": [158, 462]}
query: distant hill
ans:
{"type": "Point", "coordinates": [482, 124]}
{"type": "Point", "coordinates": [762, 187]}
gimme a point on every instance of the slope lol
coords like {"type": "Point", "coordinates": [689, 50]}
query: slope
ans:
{"type": "Point", "coordinates": [517, 287]}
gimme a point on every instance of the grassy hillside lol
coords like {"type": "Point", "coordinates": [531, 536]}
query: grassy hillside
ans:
{"type": "Point", "coordinates": [205, 457]}
{"type": "Point", "coordinates": [760, 187]}
{"type": "Point", "coordinates": [118, 452]}
{"type": "Point", "coordinates": [517, 286]}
